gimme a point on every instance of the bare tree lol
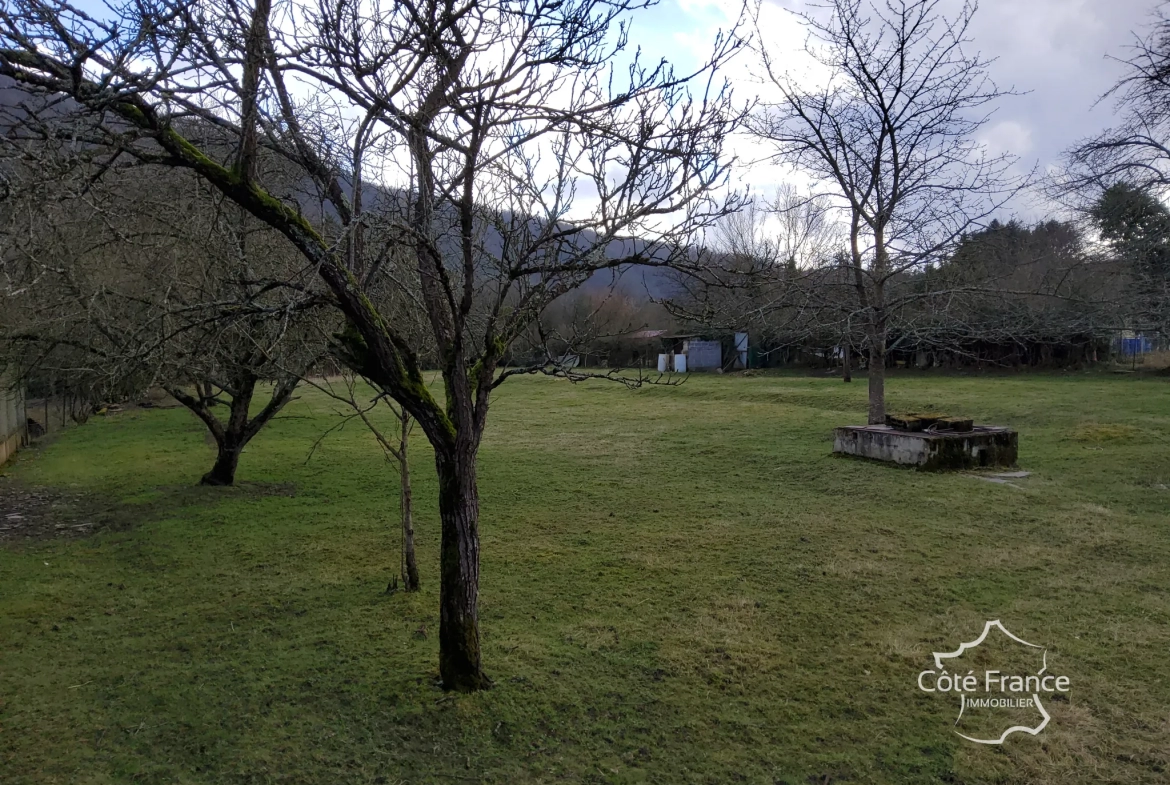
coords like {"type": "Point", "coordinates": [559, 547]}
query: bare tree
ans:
{"type": "Point", "coordinates": [808, 233]}
{"type": "Point", "coordinates": [1120, 177]}
{"type": "Point", "coordinates": [395, 446]}
{"type": "Point", "coordinates": [1137, 149]}
{"type": "Point", "coordinates": [1005, 293]}
{"type": "Point", "coordinates": [496, 116]}
{"type": "Point", "coordinates": [173, 291]}
{"type": "Point", "coordinates": [889, 137]}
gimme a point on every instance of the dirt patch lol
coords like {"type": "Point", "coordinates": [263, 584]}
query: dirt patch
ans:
{"type": "Point", "coordinates": [46, 512]}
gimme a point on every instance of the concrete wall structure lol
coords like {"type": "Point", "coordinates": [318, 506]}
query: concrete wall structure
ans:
{"type": "Point", "coordinates": [13, 421]}
{"type": "Point", "coordinates": [984, 446]}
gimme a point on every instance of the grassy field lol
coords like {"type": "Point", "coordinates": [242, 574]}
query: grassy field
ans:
{"type": "Point", "coordinates": [679, 586]}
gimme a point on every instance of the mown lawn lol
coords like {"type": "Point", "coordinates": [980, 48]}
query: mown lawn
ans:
{"type": "Point", "coordinates": [679, 586]}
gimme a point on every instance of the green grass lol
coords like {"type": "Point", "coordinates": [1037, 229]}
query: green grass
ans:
{"type": "Point", "coordinates": [678, 586]}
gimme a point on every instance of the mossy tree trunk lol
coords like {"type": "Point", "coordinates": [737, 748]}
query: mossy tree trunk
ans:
{"type": "Point", "coordinates": [459, 654]}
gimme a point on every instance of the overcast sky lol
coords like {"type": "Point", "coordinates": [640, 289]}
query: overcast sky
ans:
{"type": "Point", "coordinates": [1056, 51]}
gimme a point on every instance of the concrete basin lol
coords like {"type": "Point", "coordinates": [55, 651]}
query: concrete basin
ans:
{"type": "Point", "coordinates": [982, 446]}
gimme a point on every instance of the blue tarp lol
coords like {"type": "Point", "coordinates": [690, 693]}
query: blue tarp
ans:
{"type": "Point", "coordinates": [1139, 345]}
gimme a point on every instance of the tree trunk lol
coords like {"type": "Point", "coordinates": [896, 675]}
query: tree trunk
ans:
{"type": "Point", "coordinates": [846, 362]}
{"type": "Point", "coordinates": [233, 436]}
{"type": "Point", "coordinates": [877, 380]}
{"type": "Point", "coordinates": [224, 470]}
{"type": "Point", "coordinates": [877, 329]}
{"type": "Point", "coordinates": [410, 580]}
{"type": "Point", "coordinates": [459, 656]}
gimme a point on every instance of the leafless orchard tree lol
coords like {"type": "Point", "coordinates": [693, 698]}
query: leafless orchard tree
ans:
{"type": "Point", "coordinates": [1137, 149]}
{"type": "Point", "coordinates": [172, 289]}
{"type": "Point", "coordinates": [1007, 293]}
{"type": "Point", "coordinates": [808, 233]}
{"type": "Point", "coordinates": [395, 446]}
{"type": "Point", "coordinates": [888, 134]}
{"type": "Point", "coordinates": [495, 117]}
{"type": "Point", "coordinates": [1120, 178]}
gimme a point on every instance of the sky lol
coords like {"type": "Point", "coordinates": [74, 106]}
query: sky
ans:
{"type": "Point", "coordinates": [1055, 52]}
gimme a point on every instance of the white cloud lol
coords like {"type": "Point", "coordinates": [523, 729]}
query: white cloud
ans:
{"type": "Point", "coordinates": [1010, 137]}
{"type": "Point", "coordinates": [1055, 52]}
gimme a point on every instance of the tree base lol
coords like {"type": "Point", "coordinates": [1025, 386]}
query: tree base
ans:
{"type": "Point", "coordinates": [407, 586]}
{"type": "Point", "coordinates": [466, 683]}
